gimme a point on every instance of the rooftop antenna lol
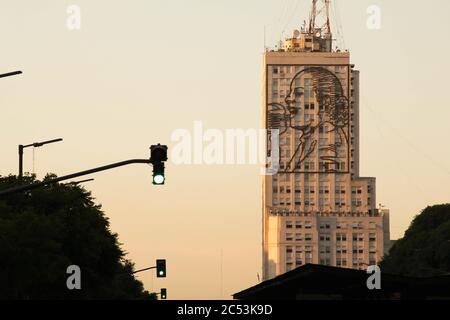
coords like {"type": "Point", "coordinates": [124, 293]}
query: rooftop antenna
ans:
{"type": "Point", "coordinates": [323, 12]}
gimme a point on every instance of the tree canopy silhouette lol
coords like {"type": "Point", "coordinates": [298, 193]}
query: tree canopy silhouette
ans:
{"type": "Point", "coordinates": [44, 231]}
{"type": "Point", "coordinates": [425, 248]}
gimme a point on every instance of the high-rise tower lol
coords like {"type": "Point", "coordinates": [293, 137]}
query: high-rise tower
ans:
{"type": "Point", "coordinates": [317, 208]}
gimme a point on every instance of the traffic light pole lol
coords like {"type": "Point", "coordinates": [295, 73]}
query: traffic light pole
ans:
{"type": "Point", "coordinates": [73, 175]}
{"type": "Point", "coordinates": [20, 161]}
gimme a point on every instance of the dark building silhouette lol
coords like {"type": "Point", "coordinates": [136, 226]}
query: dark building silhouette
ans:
{"type": "Point", "coordinates": [319, 282]}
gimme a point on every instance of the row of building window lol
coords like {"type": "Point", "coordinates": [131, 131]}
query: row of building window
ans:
{"type": "Point", "coordinates": [298, 237]}
{"type": "Point", "coordinates": [327, 250]}
{"type": "Point", "coordinates": [340, 237]}
{"type": "Point", "coordinates": [311, 189]}
{"type": "Point", "coordinates": [323, 202]}
{"type": "Point", "coordinates": [327, 225]}
{"type": "Point", "coordinates": [340, 188]}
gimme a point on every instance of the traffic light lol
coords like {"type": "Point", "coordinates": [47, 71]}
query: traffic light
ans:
{"type": "Point", "coordinates": [158, 173]}
{"type": "Point", "coordinates": [161, 268]}
{"type": "Point", "coordinates": [158, 155]}
{"type": "Point", "coordinates": [163, 293]}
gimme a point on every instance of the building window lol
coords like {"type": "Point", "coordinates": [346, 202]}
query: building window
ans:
{"type": "Point", "coordinates": [324, 201]}
{"type": "Point", "coordinates": [288, 224]}
{"type": "Point", "coordinates": [341, 237]}
{"type": "Point", "coordinates": [340, 166]}
{"type": "Point", "coordinates": [298, 237]}
{"type": "Point", "coordinates": [289, 237]}
{"type": "Point", "coordinates": [340, 189]}
{"type": "Point", "coordinates": [288, 250]}
{"type": "Point", "coordinates": [308, 225]}
{"type": "Point", "coordinates": [338, 201]}
{"type": "Point", "coordinates": [308, 237]}
{"type": "Point", "coordinates": [341, 225]}
{"type": "Point", "coordinates": [309, 189]}
{"type": "Point", "coordinates": [324, 189]}
{"type": "Point", "coordinates": [298, 224]}
{"type": "Point", "coordinates": [372, 237]}
{"type": "Point", "coordinates": [356, 202]}
{"type": "Point", "coordinates": [308, 257]}
{"type": "Point", "coordinates": [309, 166]}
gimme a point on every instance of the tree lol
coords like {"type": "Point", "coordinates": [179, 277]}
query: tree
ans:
{"type": "Point", "coordinates": [425, 248]}
{"type": "Point", "coordinates": [44, 231]}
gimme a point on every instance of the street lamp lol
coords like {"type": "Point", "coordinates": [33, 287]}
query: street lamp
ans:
{"type": "Point", "coordinates": [34, 145]}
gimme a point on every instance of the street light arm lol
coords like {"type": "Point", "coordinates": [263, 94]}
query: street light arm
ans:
{"type": "Point", "coordinates": [143, 269]}
{"type": "Point", "coordinates": [40, 144]}
{"type": "Point", "coordinates": [73, 175]}
{"type": "Point", "coordinates": [10, 74]}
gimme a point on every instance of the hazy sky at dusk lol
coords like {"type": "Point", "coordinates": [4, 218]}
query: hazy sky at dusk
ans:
{"type": "Point", "coordinates": [138, 70]}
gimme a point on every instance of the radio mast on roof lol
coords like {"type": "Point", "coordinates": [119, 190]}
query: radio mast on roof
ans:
{"type": "Point", "coordinates": [320, 13]}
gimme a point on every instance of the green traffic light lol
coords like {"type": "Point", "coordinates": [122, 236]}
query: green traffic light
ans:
{"type": "Point", "coordinates": [161, 268]}
{"type": "Point", "coordinates": [158, 179]}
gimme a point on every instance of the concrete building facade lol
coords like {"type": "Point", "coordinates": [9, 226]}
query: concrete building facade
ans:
{"type": "Point", "coordinates": [316, 208]}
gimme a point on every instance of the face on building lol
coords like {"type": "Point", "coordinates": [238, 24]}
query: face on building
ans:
{"type": "Point", "coordinates": [315, 102]}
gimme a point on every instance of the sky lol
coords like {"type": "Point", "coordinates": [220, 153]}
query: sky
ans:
{"type": "Point", "coordinates": [138, 70]}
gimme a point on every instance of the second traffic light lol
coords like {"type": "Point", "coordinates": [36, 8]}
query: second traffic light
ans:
{"type": "Point", "coordinates": [163, 293]}
{"type": "Point", "coordinates": [161, 268]}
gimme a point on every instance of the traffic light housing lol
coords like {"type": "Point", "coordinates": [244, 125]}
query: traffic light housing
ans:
{"type": "Point", "coordinates": [158, 155]}
{"type": "Point", "coordinates": [163, 293]}
{"type": "Point", "coordinates": [161, 268]}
